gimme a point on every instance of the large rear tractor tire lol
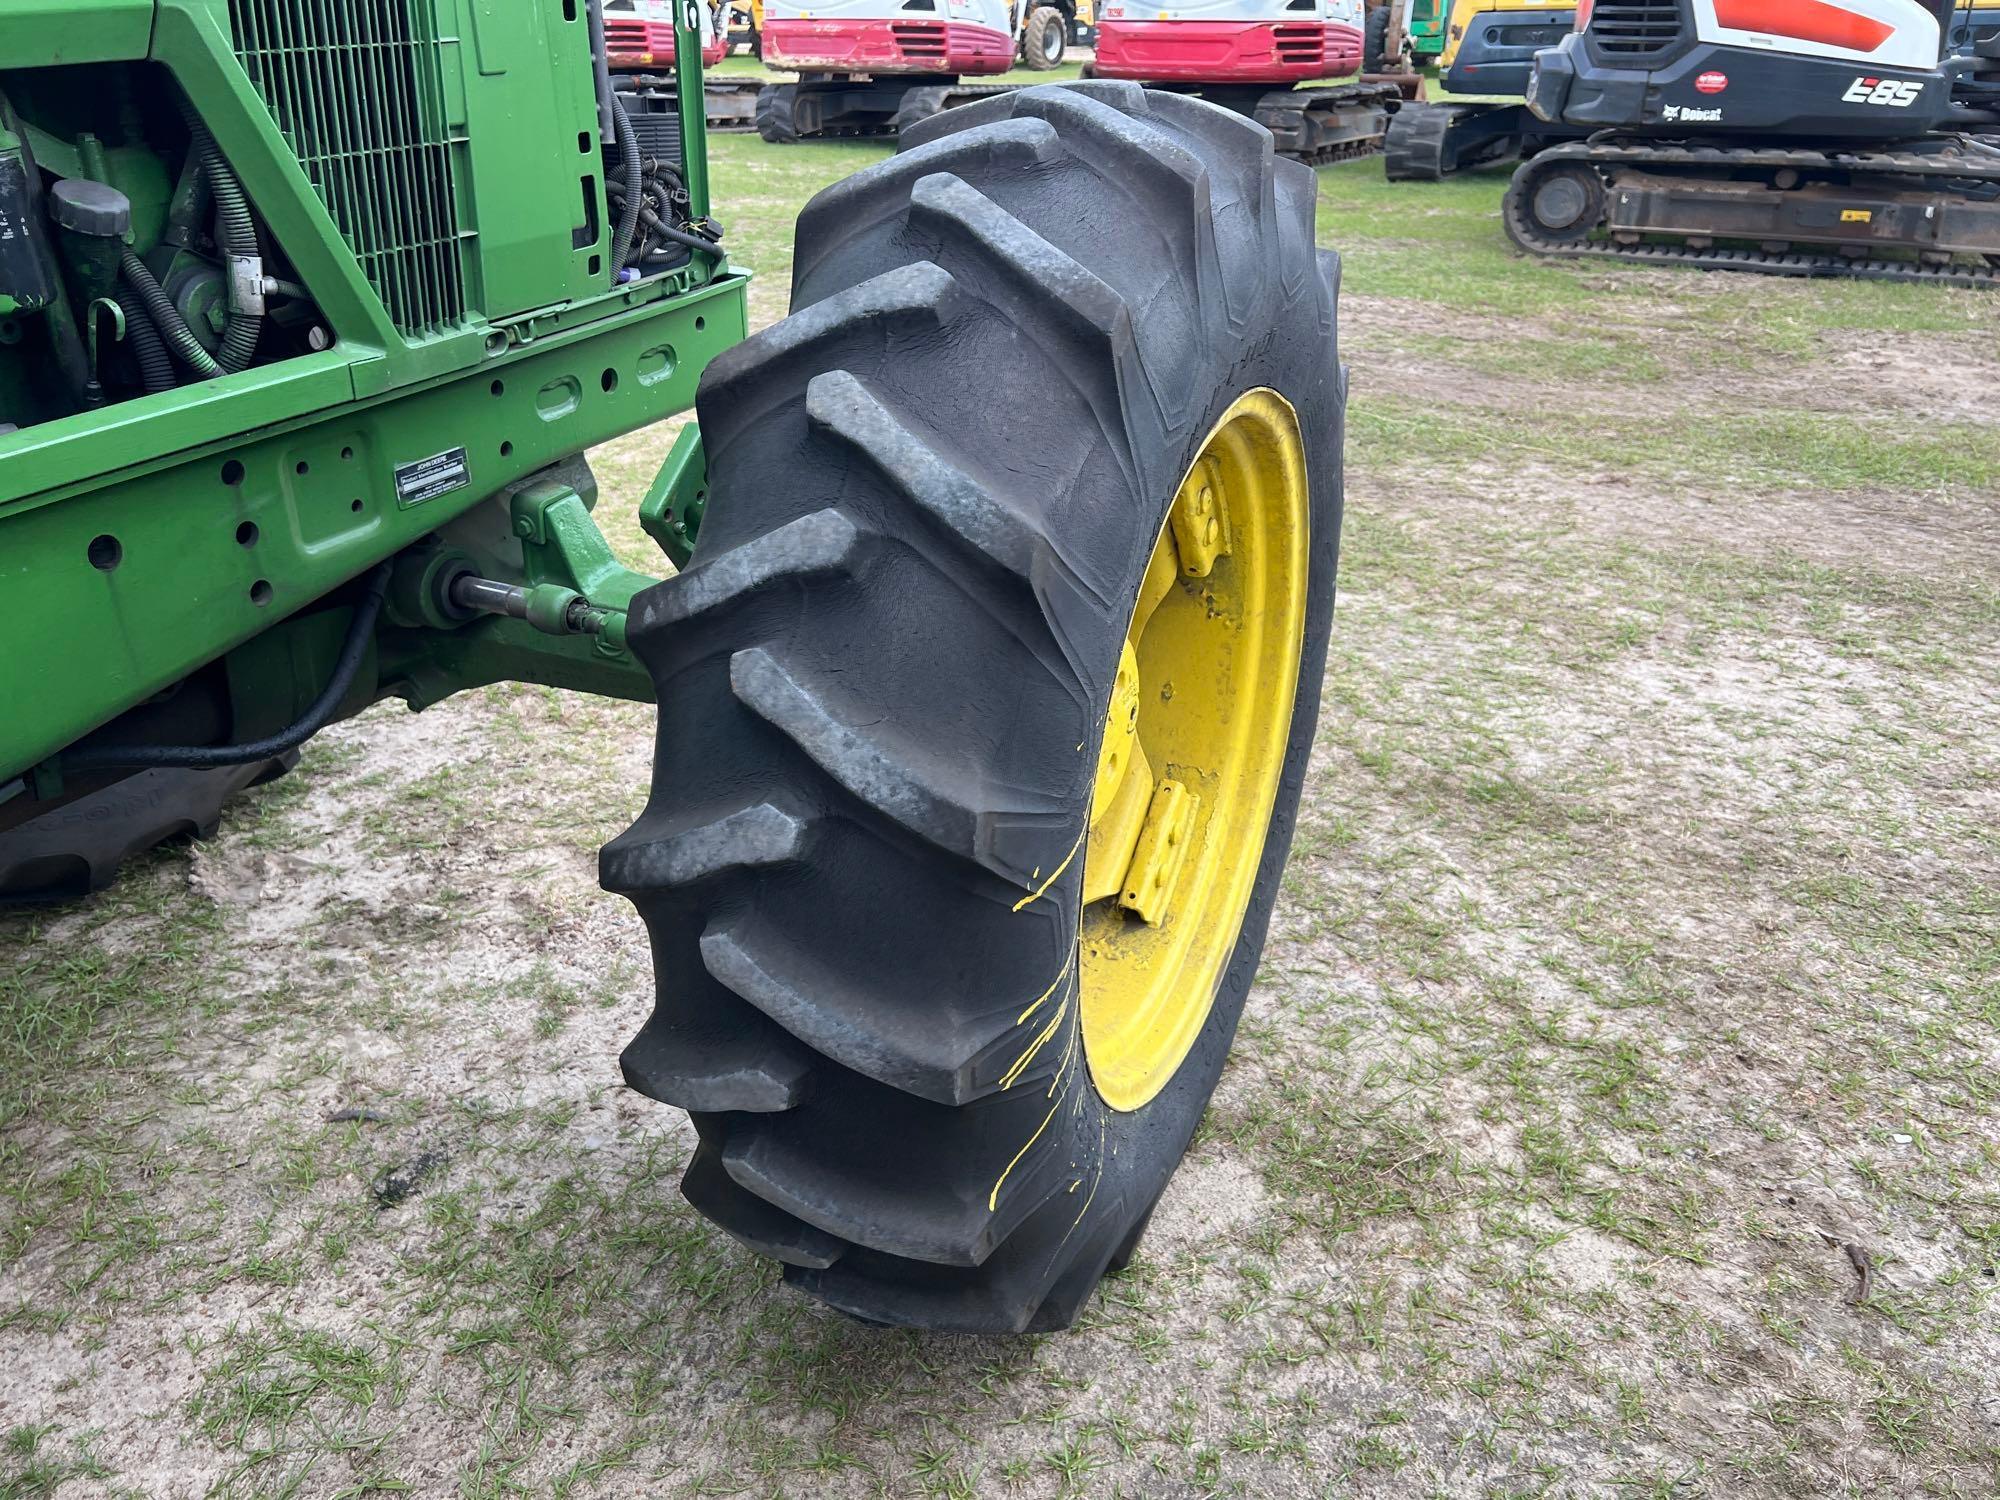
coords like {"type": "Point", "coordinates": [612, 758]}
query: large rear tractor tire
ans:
{"type": "Point", "coordinates": [978, 761]}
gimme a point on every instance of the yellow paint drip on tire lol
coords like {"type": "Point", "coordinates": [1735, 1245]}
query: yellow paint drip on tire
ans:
{"type": "Point", "coordinates": [1215, 634]}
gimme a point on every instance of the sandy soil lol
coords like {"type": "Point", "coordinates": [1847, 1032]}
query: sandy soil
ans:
{"type": "Point", "coordinates": [1615, 1113]}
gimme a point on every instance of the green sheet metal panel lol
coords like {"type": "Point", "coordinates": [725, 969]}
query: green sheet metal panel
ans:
{"type": "Point", "coordinates": [44, 33]}
{"type": "Point", "coordinates": [324, 499]}
{"type": "Point", "coordinates": [446, 144]}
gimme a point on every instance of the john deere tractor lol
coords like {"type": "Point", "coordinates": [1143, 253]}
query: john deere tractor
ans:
{"type": "Point", "coordinates": [977, 760]}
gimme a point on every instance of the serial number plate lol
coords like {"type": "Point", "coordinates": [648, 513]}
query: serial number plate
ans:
{"type": "Point", "coordinates": [428, 478]}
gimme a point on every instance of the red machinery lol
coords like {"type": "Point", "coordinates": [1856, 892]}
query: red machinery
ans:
{"type": "Point", "coordinates": [871, 67]}
{"type": "Point", "coordinates": [1249, 56]}
{"type": "Point", "coordinates": [640, 34]}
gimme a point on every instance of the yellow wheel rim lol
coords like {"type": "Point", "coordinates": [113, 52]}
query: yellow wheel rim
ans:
{"type": "Point", "coordinates": [1194, 745]}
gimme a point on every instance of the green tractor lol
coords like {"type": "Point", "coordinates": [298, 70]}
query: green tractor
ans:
{"type": "Point", "coordinates": [1404, 35]}
{"type": "Point", "coordinates": [977, 760]}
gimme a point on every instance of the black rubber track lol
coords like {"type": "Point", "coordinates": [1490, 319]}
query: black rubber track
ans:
{"type": "Point", "coordinates": [918, 106]}
{"type": "Point", "coordinates": [776, 103]}
{"type": "Point", "coordinates": [884, 674]}
{"type": "Point", "coordinates": [1950, 166]}
{"type": "Point", "coordinates": [1413, 147]}
{"type": "Point", "coordinates": [77, 847]}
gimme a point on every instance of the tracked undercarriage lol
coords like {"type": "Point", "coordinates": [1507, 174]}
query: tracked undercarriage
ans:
{"type": "Point", "coordinates": [1828, 143]}
{"type": "Point", "coordinates": [1319, 126]}
{"type": "Point", "coordinates": [847, 105]}
{"type": "Point", "coordinates": [1928, 211]}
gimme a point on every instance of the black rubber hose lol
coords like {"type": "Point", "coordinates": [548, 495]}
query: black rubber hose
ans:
{"type": "Point", "coordinates": [628, 213]}
{"type": "Point", "coordinates": [600, 58]}
{"type": "Point", "coordinates": [166, 317]}
{"type": "Point", "coordinates": [360, 632]}
{"type": "Point", "coordinates": [232, 206]}
{"type": "Point", "coordinates": [156, 370]}
{"type": "Point", "coordinates": [236, 233]}
{"type": "Point", "coordinates": [238, 237]}
{"type": "Point", "coordinates": [680, 236]}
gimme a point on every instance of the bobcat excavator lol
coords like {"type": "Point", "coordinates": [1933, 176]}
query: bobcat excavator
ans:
{"type": "Point", "coordinates": [1793, 137]}
{"type": "Point", "coordinates": [1252, 56]}
{"type": "Point", "coordinates": [1488, 54]}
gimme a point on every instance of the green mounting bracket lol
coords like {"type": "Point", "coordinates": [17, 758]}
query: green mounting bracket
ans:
{"type": "Point", "coordinates": [672, 510]}
{"type": "Point", "coordinates": [563, 548]}
{"type": "Point", "coordinates": [572, 632]}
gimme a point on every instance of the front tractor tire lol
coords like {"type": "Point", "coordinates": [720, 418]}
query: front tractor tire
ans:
{"type": "Point", "coordinates": [978, 759]}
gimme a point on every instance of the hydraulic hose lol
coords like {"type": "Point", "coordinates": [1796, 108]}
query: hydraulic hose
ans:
{"type": "Point", "coordinates": [628, 212]}
{"type": "Point", "coordinates": [236, 232]}
{"type": "Point", "coordinates": [600, 57]}
{"type": "Point", "coordinates": [360, 632]}
{"type": "Point", "coordinates": [156, 370]}
{"type": "Point", "coordinates": [167, 317]}
{"type": "Point", "coordinates": [679, 236]}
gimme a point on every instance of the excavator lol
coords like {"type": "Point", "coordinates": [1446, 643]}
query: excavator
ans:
{"type": "Point", "coordinates": [1791, 137]}
{"type": "Point", "coordinates": [877, 67]}
{"type": "Point", "coordinates": [640, 34]}
{"type": "Point", "coordinates": [1489, 52]}
{"type": "Point", "coordinates": [873, 67]}
{"type": "Point", "coordinates": [1972, 23]}
{"type": "Point", "coordinates": [1260, 58]}
{"type": "Point", "coordinates": [639, 55]}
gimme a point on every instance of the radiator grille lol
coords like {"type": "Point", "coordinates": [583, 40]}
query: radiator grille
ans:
{"type": "Point", "coordinates": [1635, 28]}
{"type": "Point", "coordinates": [356, 87]}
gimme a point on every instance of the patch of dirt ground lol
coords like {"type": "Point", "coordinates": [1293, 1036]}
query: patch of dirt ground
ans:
{"type": "Point", "coordinates": [1615, 1112]}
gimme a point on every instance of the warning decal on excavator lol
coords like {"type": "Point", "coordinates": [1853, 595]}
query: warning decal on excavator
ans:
{"type": "Point", "coordinates": [1857, 216]}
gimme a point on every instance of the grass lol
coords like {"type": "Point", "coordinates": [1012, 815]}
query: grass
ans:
{"type": "Point", "coordinates": [1635, 960]}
